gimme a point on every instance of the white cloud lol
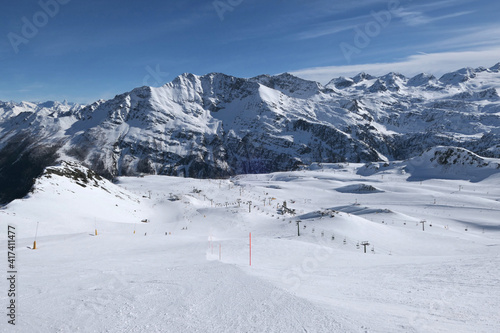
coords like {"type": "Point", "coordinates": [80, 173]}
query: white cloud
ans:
{"type": "Point", "coordinates": [484, 36]}
{"type": "Point", "coordinates": [415, 18]}
{"type": "Point", "coordinates": [432, 63]}
{"type": "Point", "coordinates": [323, 32]}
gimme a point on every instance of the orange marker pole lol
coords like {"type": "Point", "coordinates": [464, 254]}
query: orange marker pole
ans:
{"type": "Point", "coordinates": [36, 234]}
{"type": "Point", "coordinates": [250, 237]}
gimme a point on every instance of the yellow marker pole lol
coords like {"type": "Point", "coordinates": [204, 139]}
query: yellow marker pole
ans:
{"type": "Point", "coordinates": [36, 233]}
{"type": "Point", "coordinates": [96, 232]}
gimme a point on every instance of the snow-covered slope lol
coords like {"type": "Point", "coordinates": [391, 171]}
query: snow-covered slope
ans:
{"type": "Point", "coordinates": [217, 125]}
{"type": "Point", "coordinates": [439, 163]}
{"type": "Point", "coordinates": [188, 269]}
{"type": "Point", "coordinates": [70, 198]}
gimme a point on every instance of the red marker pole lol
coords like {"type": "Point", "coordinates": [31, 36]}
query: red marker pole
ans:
{"type": "Point", "coordinates": [250, 236]}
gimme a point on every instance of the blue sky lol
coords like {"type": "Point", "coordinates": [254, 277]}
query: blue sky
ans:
{"type": "Point", "coordinates": [82, 51]}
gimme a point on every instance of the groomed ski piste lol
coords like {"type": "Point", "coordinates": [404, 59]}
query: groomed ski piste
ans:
{"type": "Point", "coordinates": [166, 254]}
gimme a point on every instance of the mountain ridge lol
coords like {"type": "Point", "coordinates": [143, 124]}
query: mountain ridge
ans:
{"type": "Point", "coordinates": [217, 125]}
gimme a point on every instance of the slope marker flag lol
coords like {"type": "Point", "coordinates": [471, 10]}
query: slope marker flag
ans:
{"type": "Point", "coordinates": [36, 233]}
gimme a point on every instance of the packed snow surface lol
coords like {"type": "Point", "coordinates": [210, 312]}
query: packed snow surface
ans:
{"type": "Point", "coordinates": [173, 254]}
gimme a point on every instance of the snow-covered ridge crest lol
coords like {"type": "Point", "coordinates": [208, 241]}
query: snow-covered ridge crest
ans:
{"type": "Point", "coordinates": [440, 162]}
{"type": "Point", "coordinates": [81, 196]}
{"type": "Point", "coordinates": [452, 163]}
{"type": "Point", "coordinates": [73, 173]}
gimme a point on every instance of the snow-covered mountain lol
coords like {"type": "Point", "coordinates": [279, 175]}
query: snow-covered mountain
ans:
{"type": "Point", "coordinates": [218, 125]}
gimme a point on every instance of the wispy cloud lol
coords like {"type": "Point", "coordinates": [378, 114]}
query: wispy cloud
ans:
{"type": "Point", "coordinates": [433, 63]}
{"type": "Point", "coordinates": [422, 13]}
{"type": "Point", "coordinates": [330, 28]}
{"type": "Point", "coordinates": [325, 31]}
{"type": "Point", "coordinates": [410, 15]}
{"type": "Point", "coordinates": [329, 18]}
{"type": "Point", "coordinates": [416, 18]}
{"type": "Point", "coordinates": [437, 5]}
{"type": "Point", "coordinates": [467, 38]}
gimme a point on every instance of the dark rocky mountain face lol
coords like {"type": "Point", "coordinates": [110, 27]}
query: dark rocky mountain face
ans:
{"type": "Point", "coordinates": [217, 125]}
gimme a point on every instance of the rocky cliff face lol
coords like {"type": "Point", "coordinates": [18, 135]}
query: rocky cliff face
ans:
{"type": "Point", "coordinates": [217, 125]}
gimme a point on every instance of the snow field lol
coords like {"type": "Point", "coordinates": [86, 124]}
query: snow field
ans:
{"type": "Point", "coordinates": [439, 280]}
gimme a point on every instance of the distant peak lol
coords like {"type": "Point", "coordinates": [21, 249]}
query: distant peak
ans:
{"type": "Point", "coordinates": [341, 82]}
{"type": "Point", "coordinates": [281, 77]}
{"type": "Point", "coordinates": [189, 76]}
{"type": "Point", "coordinates": [495, 68]}
{"type": "Point", "coordinates": [394, 74]}
{"type": "Point", "coordinates": [459, 76]}
{"type": "Point", "coordinates": [289, 84]}
{"type": "Point", "coordinates": [185, 78]}
{"type": "Point", "coordinates": [49, 104]}
{"type": "Point", "coordinates": [394, 80]}
{"type": "Point", "coordinates": [259, 77]}
{"type": "Point", "coordinates": [362, 76]}
{"type": "Point", "coordinates": [217, 74]}
{"type": "Point", "coordinates": [421, 79]}
{"type": "Point", "coordinates": [289, 76]}
{"type": "Point", "coordinates": [378, 86]}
